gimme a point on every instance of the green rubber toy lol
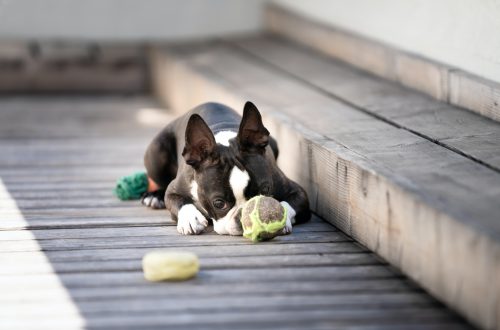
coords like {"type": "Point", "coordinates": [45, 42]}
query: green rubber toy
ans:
{"type": "Point", "coordinates": [131, 186]}
{"type": "Point", "coordinates": [262, 218]}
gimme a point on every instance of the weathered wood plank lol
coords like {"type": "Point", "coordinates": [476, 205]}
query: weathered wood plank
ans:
{"type": "Point", "coordinates": [438, 80]}
{"type": "Point", "coordinates": [207, 263]}
{"type": "Point", "coordinates": [70, 203]}
{"type": "Point", "coordinates": [267, 319]}
{"type": "Point", "coordinates": [20, 174]}
{"type": "Point", "coordinates": [159, 241]}
{"type": "Point", "coordinates": [472, 92]}
{"type": "Point", "coordinates": [128, 231]}
{"type": "Point", "coordinates": [89, 220]}
{"type": "Point", "coordinates": [207, 277]}
{"type": "Point", "coordinates": [415, 112]}
{"type": "Point", "coordinates": [391, 302]}
{"type": "Point", "coordinates": [64, 117]}
{"type": "Point", "coordinates": [182, 290]}
{"type": "Point", "coordinates": [202, 251]}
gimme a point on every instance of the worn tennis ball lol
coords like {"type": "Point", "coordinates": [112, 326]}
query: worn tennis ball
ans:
{"type": "Point", "coordinates": [262, 218]}
{"type": "Point", "coordinates": [170, 266]}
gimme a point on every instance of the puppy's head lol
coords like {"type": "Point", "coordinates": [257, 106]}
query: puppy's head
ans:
{"type": "Point", "coordinates": [219, 178]}
{"type": "Point", "coordinates": [229, 168]}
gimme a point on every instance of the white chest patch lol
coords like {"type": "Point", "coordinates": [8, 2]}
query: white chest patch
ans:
{"type": "Point", "coordinates": [223, 137]}
{"type": "Point", "coordinates": [238, 180]}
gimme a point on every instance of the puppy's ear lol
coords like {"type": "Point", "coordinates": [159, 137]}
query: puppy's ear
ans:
{"type": "Point", "coordinates": [252, 135]}
{"type": "Point", "coordinates": [200, 141]}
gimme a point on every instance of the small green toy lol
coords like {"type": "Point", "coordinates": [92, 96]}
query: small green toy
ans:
{"type": "Point", "coordinates": [131, 186]}
{"type": "Point", "coordinates": [262, 218]}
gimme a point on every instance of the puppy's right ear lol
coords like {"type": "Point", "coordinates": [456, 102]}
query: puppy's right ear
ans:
{"type": "Point", "coordinates": [200, 141]}
{"type": "Point", "coordinates": [252, 134]}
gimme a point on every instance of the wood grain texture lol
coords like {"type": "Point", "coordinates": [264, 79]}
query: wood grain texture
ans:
{"type": "Point", "coordinates": [402, 195]}
{"type": "Point", "coordinates": [457, 129]}
{"type": "Point", "coordinates": [437, 80]}
{"type": "Point", "coordinates": [472, 92]}
{"type": "Point", "coordinates": [71, 252]}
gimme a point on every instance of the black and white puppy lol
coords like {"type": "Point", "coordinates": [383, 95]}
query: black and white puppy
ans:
{"type": "Point", "coordinates": [210, 161]}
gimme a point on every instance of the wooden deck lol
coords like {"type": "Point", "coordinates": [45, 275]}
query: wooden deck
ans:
{"type": "Point", "coordinates": [71, 252]}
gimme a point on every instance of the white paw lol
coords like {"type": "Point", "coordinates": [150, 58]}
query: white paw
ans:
{"type": "Point", "coordinates": [290, 219]}
{"type": "Point", "coordinates": [229, 225]}
{"type": "Point", "coordinates": [190, 220]}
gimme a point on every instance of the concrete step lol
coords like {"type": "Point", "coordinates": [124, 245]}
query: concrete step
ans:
{"type": "Point", "coordinates": [415, 180]}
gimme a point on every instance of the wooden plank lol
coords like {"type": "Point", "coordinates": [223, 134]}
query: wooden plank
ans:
{"type": "Point", "coordinates": [65, 117]}
{"type": "Point", "coordinates": [159, 241]}
{"type": "Point", "coordinates": [473, 92]}
{"type": "Point", "coordinates": [438, 80]}
{"type": "Point", "coordinates": [17, 174]}
{"type": "Point", "coordinates": [182, 290]}
{"type": "Point", "coordinates": [391, 302]}
{"type": "Point", "coordinates": [90, 219]}
{"type": "Point", "coordinates": [207, 263]}
{"type": "Point", "coordinates": [207, 277]}
{"type": "Point", "coordinates": [227, 250]}
{"type": "Point", "coordinates": [109, 201]}
{"type": "Point", "coordinates": [385, 186]}
{"type": "Point", "coordinates": [304, 287]}
{"type": "Point", "coordinates": [127, 231]}
{"type": "Point", "coordinates": [406, 109]}
{"type": "Point", "coordinates": [422, 74]}
{"type": "Point", "coordinates": [267, 319]}
{"type": "Point", "coordinates": [60, 185]}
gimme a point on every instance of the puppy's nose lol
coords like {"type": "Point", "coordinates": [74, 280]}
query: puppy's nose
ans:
{"type": "Point", "coordinates": [265, 189]}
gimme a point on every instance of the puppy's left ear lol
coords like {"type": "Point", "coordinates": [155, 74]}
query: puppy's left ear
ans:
{"type": "Point", "coordinates": [252, 135]}
{"type": "Point", "coordinates": [200, 141]}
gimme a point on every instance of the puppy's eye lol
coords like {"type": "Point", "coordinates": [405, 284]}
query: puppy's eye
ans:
{"type": "Point", "coordinates": [263, 145]}
{"type": "Point", "coordinates": [219, 204]}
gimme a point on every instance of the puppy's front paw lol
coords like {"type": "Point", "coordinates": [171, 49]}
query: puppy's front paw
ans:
{"type": "Point", "coordinates": [230, 224]}
{"type": "Point", "coordinates": [290, 219]}
{"type": "Point", "coordinates": [190, 220]}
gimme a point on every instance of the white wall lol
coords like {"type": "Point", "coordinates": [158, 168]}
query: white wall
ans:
{"type": "Point", "coordinates": [461, 33]}
{"type": "Point", "coordinates": [127, 20]}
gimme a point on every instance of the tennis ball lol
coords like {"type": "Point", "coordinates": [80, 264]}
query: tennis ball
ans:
{"type": "Point", "coordinates": [170, 266]}
{"type": "Point", "coordinates": [262, 218]}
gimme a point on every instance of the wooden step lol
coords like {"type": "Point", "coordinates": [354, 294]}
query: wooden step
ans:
{"type": "Point", "coordinates": [415, 180]}
{"type": "Point", "coordinates": [439, 80]}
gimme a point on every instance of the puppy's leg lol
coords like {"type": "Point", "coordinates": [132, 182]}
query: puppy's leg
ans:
{"type": "Point", "coordinates": [190, 221]}
{"type": "Point", "coordinates": [297, 205]}
{"type": "Point", "coordinates": [160, 161]}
